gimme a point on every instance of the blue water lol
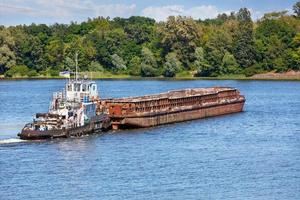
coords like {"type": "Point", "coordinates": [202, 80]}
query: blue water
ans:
{"type": "Point", "coordinates": [249, 155]}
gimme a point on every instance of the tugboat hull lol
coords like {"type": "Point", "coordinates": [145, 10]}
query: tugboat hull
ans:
{"type": "Point", "coordinates": [40, 135]}
{"type": "Point", "coordinates": [97, 124]}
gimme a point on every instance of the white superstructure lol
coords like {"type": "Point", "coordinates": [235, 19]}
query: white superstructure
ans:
{"type": "Point", "coordinates": [76, 104]}
{"type": "Point", "coordinates": [76, 90]}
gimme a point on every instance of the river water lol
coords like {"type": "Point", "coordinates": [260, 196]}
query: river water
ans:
{"type": "Point", "coordinates": [250, 155]}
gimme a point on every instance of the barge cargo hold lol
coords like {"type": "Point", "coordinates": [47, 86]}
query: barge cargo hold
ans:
{"type": "Point", "coordinates": [173, 106]}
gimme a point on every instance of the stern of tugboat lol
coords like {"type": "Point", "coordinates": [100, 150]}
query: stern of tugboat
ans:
{"type": "Point", "coordinates": [29, 134]}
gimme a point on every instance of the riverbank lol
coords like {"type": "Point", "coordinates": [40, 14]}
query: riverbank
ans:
{"type": "Point", "coordinates": [290, 75]}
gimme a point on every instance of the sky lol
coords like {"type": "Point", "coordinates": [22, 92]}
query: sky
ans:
{"type": "Point", "coordinates": [14, 12]}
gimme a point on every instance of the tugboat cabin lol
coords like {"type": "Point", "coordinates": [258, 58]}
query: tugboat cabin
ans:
{"type": "Point", "coordinates": [78, 89]}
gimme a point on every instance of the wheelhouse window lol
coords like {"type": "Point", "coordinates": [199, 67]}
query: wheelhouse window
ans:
{"type": "Point", "coordinates": [84, 87]}
{"type": "Point", "coordinates": [69, 87]}
{"type": "Point", "coordinates": [77, 87]}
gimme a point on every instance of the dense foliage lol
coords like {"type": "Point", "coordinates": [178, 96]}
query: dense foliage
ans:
{"type": "Point", "coordinates": [139, 46]}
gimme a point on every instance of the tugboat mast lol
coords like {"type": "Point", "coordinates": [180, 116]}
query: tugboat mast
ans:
{"type": "Point", "coordinates": [76, 65]}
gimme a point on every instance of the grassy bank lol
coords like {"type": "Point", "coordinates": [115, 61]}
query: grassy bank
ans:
{"type": "Point", "coordinates": [182, 76]}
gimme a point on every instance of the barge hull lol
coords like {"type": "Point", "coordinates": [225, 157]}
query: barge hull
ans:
{"type": "Point", "coordinates": [180, 116]}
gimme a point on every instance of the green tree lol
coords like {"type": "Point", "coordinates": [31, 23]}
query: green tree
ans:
{"type": "Point", "coordinates": [296, 9]}
{"type": "Point", "coordinates": [135, 66]}
{"type": "Point", "coordinates": [295, 54]}
{"type": "Point", "coordinates": [278, 27]}
{"type": "Point", "coordinates": [217, 45]}
{"type": "Point", "coordinates": [7, 54]}
{"type": "Point", "coordinates": [101, 26]}
{"type": "Point", "coordinates": [180, 35]}
{"type": "Point", "coordinates": [244, 50]}
{"type": "Point", "coordinates": [55, 53]}
{"type": "Point", "coordinates": [201, 64]}
{"type": "Point", "coordinates": [32, 52]}
{"type": "Point", "coordinates": [148, 71]}
{"type": "Point", "coordinates": [28, 49]}
{"type": "Point", "coordinates": [292, 59]}
{"type": "Point", "coordinates": [273, 54]}
{"type": "Point", "coordinates": [85, 49]}
{"type": "Point", "coordinates": [69, 63]}
{"type": "Point", "coordinates": [229, 64]}
{"type": "Point", "coordinates": [118, 63]}
{"type": "Point", "coordinates": [7, 58]}
{"type": "Point", "coordinates": [296, 41]}
{"type": "Point", "coordinates": [273, 38]}
{"type": "Point", "coordinates": [148, 57]}
{"type": "Point", "coordinates": [139, 29]}
{"type": "Point", "coordinates": [149, 64]}
{"type": "Point", "coordinates": [102, 51]}
{"type": "Point", "coordinates": [96, 67]}
{"type": "Point", "coordinates": [17, 71]}
{"type": "Point", "coordinates": [172, 65]}
{"type": "Point", "coordinates": [59, 32]}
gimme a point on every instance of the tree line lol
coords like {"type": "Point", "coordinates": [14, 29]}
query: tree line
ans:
{"type": "Point", "coordinates": [139, 46]}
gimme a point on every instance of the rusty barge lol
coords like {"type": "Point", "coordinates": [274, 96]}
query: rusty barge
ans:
{"type": "Point", "coordinates": [173, 106]}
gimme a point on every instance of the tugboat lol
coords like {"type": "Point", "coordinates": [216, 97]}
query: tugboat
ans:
{"type": "Point", "coordinates": [73, 112]}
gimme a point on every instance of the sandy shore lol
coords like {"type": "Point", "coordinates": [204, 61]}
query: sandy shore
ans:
{"type": "Point", "coordinates": [290, 75]}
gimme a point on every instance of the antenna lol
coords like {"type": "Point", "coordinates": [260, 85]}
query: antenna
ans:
{"type": "Point", "coordinates": [76, 65]}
